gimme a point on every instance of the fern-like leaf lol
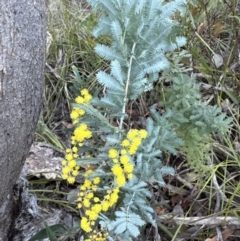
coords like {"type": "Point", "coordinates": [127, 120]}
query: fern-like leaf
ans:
{"type": "Point", "coordinates": [109, 6]}
{"type": "Point", "coordinates": [116, 31]}
{"type": "Point", "coordinates": [107, 53]}
{"type": "Point", "coordinates": [116, 71]}
{"type": "Point", "coordinates": [171, 7]}
{"type": "Point", "coordinates": [108, 81]}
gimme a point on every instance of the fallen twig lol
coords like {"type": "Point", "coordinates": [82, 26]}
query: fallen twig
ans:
{"type": "Point", "coordinates": [199, 221]}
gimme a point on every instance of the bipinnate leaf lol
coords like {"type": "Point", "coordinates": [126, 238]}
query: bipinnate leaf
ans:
{"type": "Point", "coordinates": [125, 221]}
{"type": "Point", "coordinates": [107, 53]}
{"type": "Point", "coordinates": [116, 71]}
{"type": "Point", "coordinates": [108, 81]}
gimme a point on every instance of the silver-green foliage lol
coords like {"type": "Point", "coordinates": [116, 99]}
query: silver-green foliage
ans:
{"type": "Point", "coordinates": [141, 29]}
{"type": "Point", "coordinates": [193, 119]}
{"type": "Point", "coordinates": [143, 34]}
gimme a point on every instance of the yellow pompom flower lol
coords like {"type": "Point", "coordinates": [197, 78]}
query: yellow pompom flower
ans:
{"type": "Point", "coordinates": [88, 172]}
{"type": "Point", "coordinates": [69, 157]}
{"type": "Point", "coordinates": [87, 98]}
{"type": "Point", "coordinates": [84, 92]}
{"type": "Point", "coordinates": [106, 197]}
{"type": "Point", "coordinates": [94, 188]}
{"type": "Point", "coordinates": [81, 133]}
{"type": "Point", "coordinates": [83, 127]}
{"type": "Point", "coordinates": [86, 203]}
{"type": "Point", "coordinates": [74, 114]}
{"type": "Point", "coordinates": [97, 208]}
{"type": "Point", "coordinates": [113, 199]}
{"type": "Point", "coordinates": [128, 168]}
{"type": "Point", "coordinates": [143, 133]}
{"type": "Point", "coordinates": [121, 181]}
{"type": "Point", "coordinates": [81, 112]}
{"type": "Point", "coordinates": [79, 100]}
{"type": "Point", "coordinates": [64, 176]}
{"type": "Point", "coordinates": [96, 200]}
{"type": "Point", "coordinates": [75, 156]}
{"type": "Point", "coordinates": [123, 151]}
{"type": "Point", "coordinates": [137, 141]}
{"type": "Point", "coordinates": [117, 170]}
{"type": "Point", "coordinates": [132, 134]}
{"type": "Point", "coordinates": [66, 170]}
{"type": "Point", "coordinates": [115, 160]}
{"type": "Point", "coordinates": [96, 180]}
{"type": "Point", "coordinates": [71, 180]}
{"type": "Point", "coordinates": [105, 205]}
{"type": "Point", "coordinates": [73, 140]}
{"type": "Point", "coordinates": [75, 173]}
{"type": "Point", "coordinates": [85, 225]}
{"type": "Point", "coordinates": [81, 194]}
{"type": "Point", "coordinates": [92, 215]}
{"type": "Point", "coordinates": [83, 188]}
{"type": "Point", "coordinates": [129, 175]}
{"type": "Point", "coordinates": [72, 163]}
{"type": "Point", "coordinates": [88, 134]}
{"type": "Point", "coordinates": [112, 153]}
{"type": "Point", "coordinates": [87, 183]}
{"type": "Point", "coordinates": [125, 143]}
{"type": "Point", "coordinates": [124, 159]}
{"type": "Point", "coordinates": [74, 149]}
{"type": "Point", "coordinates": [90, 195]}
{"type": "Point", "coordinates": [64, 162]}
{"type": "Point", "coordinates": [132, 150]}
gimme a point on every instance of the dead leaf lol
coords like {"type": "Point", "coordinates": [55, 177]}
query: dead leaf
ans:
{"type": "Point", "coordinates": [225, 234]}
{"type": "Point", "coordinates": [66, 124]}
{"type": "Point", "coordinates": [159, 209]}
{"type": "Point", "coordinates": [134, 114]}
{"type": "Point", "coordinates": [177, 190]}
{"type": "Point", "coordinates": [175, 199]}
{"type": "Point", "coordinates": [218, 28]}
{"type": "Point", "coordinates": [178, 211]}
{"type": "Point", "coordinates": [217, 59]}
{"type": "Point", "coordinates": [194, 11]}
{"type": "Point", "coordinates": [202, 27]}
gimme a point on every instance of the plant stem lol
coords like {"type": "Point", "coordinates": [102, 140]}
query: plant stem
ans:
{"type": "Point", "coordinates": [127, 85]}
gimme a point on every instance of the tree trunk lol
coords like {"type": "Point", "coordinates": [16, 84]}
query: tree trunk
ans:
{"type": "Point", "coordinates": [22, 61]}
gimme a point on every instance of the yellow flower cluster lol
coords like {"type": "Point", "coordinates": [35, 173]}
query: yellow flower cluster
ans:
{"type": "Point", "coordinates": [92, 204]}
{"type": "Point", "coordinates": [110, 199]}
{"type": "Point", "coordinates": [122, 167]}
{"type": "Point", "coordinates": [122, 170]}
{"type": "Point", "coordinates": [80, 134]}
{"type": "Point", "coordinates": [69, 165]}
{"type": "Point", "coordinates": [134, 139]}
{"type": "Point", "coordinates": [118, 172]}
{"type": "Point", "coordinates": [89, 201]}
{"type": "Point", "coordinates": [84, 98]}
{"type": "Point", "coordinates": [70, 170]}
{"type": "Point", "coordinates": [98, 236]}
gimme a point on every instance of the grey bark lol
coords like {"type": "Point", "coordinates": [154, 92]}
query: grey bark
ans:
{"type": "Point", "coordinates": [22, 61]}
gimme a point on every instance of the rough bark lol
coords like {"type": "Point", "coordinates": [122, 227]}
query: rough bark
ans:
{"type": "Point", "coordinates": [22, 61]}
